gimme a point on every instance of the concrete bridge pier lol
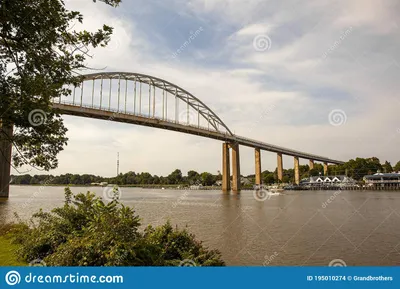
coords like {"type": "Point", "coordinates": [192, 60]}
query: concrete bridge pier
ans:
{"type": "Point", "coordinates": [325, 169]}
{"type": "Point", "coordinates": [226, 168]}
{"type": "Point", "coordinates": [311, 164]}
{"type": "Point", "coordinates": [296, 171]}
{"type": "Point", "coordinates": [6, 133]}
{"type": "Point", "coordinates": [235, 167]}
{"type": "Point", "coordinates": [280, 167]}
{"type": "Point", "coordinates": [258, 166]}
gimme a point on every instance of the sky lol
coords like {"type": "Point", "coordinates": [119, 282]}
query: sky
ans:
{"type": "Point", "coordinates": [315, 76]}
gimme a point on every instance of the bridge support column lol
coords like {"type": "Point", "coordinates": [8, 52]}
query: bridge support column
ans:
{"type": "Point", "coordinates": [235, 168]}
{"type": "Point", "coordinates": [296, 171]}
{"type": "Point", "coordinates": [6, 133]}
{"type": "Point", "coordinates": [325, 169]}
{"type": "Point", "coordinates": [226, 172]}
{"type": "Point", "coordinates": [311, 164]}
{"type": "Point", "coordinates": [258, 166]}
{"type": "Point", "coordinates": [280, 167]}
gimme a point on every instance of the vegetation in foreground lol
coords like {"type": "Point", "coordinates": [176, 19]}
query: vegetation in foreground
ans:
{"type": "Point", "coordinates": [86, 231]}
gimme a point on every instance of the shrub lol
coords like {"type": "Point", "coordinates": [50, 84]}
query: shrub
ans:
{"type": "Point", "coordinates": [85, 231]}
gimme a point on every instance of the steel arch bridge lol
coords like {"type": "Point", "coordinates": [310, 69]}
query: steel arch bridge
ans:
{"type": "Point", "coordinates": [147, 100]}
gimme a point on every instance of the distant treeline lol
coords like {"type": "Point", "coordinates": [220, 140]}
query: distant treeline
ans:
{"type": "Point", "coordinates": [130, 178]}
{"type": "Point", "coordinates": [354, 168]}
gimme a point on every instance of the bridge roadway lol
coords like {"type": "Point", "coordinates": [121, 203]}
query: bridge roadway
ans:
{"type": "Point", "coordinates": [97, 113]}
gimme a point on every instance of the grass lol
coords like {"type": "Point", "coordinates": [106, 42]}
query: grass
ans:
{"type": "Point", "coordinates": [7, 253]}
{"type": "Point", "coordinates": [7, 249]}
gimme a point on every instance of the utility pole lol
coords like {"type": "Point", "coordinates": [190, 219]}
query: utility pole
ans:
{"type": "Point", "coordinates": [117, 163]}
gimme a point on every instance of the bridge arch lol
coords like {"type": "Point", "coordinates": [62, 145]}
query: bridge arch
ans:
{"type": "Point", "coordinates": [96, 83]}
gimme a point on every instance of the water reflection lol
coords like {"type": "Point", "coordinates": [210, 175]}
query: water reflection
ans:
{"type": "Point", "coordinates": [360, 228]}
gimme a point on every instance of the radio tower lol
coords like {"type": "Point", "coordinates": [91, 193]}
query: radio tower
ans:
{"type": "Point", "coordinates": [117, 163]}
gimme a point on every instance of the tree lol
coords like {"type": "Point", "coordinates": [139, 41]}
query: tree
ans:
{"type": "Point", "coordinates": [193, 177]}
{"type": "Point", "coordinates": [40, 55]}
{"type": "Point", "coordinates": [269, 178]}
{"type": "Point", "coordinates": [397, 167]}
{"type": "Point", "coordinates": [207, 179]}
{"type": "Point", "coordinates": [175, 177]}
{"type": "Point", "coordinates": [387, 167]}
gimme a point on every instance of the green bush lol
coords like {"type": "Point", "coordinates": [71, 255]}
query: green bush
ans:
{"type": "Point", "coordinates": [85, 231]}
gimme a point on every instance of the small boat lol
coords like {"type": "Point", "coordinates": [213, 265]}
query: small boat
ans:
{"type": "Point", "coordinates": [275, 189]}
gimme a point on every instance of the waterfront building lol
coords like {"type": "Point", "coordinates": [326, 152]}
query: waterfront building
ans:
{"type": "Point", "coordinates": [340, 180]}
{"type": "Point", "coordinates": [383, 180]}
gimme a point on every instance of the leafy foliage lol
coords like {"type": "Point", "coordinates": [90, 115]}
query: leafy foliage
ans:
{"type": "Point", "coordinates": [40, 54]}
{"type": "Point", "coordinates": [88, 232]}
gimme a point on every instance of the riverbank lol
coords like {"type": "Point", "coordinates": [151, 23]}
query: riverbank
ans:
{"type": "Point", "coordinates": [7, 249]}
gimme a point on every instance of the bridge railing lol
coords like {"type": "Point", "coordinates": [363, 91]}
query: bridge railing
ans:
{"type": "Point", "coordinates": [119, 112]}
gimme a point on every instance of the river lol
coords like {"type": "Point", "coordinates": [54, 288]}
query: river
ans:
{"type": "Point", "coordinates": [294, 228]}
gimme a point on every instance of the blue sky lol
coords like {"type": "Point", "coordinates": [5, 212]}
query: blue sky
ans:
{"type": "Point", "coordinates": [292, 80]}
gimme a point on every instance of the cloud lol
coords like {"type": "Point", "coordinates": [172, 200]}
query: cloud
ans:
{"type": "Point", "coordinates": [310, 70]}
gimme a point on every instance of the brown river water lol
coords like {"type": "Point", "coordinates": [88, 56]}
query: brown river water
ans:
{"type": "Point", "coordinates": [294, 228]}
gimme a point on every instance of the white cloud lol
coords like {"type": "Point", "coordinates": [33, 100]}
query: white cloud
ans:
{"type": "Point", "coordinates": [291, 81]}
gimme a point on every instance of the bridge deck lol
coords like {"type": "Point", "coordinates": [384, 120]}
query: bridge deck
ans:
{"type": "Point", "coordinates": [94, 112]}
